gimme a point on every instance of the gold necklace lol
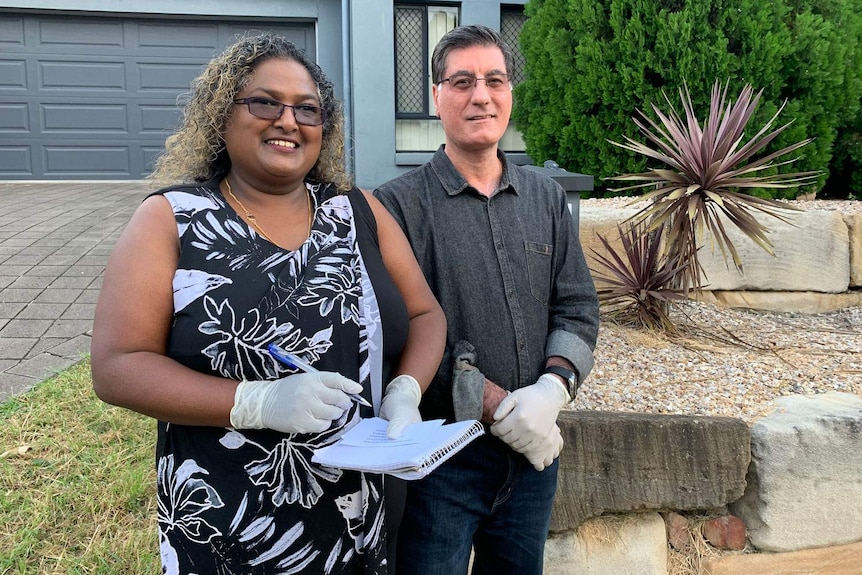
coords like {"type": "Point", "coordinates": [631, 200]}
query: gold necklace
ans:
{"type": "Point", "coordinates": [253, 220]}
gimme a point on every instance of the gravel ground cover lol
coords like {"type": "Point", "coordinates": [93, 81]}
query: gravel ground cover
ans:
{"type": "Point", "coordinates": [725, 362]}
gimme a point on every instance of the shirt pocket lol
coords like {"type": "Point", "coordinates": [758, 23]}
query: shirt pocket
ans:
{"type": "Point", "coordinates": [539, 269]}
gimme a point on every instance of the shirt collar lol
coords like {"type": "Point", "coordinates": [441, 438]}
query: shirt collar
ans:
{"type": "Point", "coordinates": [454, 183]}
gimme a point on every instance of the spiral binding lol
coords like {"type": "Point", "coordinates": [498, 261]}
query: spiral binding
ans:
{"type": "Point", "coordinates": [444, 453]}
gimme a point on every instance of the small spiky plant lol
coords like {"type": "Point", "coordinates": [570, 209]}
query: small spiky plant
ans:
{"type": "Point", "coordinates": [705, 169]}
{"type": "Point", "coordinates": [639, 284]}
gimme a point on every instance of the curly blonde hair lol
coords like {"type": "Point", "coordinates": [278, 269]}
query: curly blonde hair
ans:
{"type": "Point", "coordinates": [196, 151]}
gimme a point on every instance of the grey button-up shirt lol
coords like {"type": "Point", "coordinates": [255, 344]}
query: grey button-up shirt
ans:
{"type": "Point", "coordinates": [508, 271]}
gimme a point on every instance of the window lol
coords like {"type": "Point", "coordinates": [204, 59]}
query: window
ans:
{"type": "Point", "coordinates": [418, 28]}
{"type": "Point", "coordinates": [417, 31]}
{"type": "Point", "coordinates": [511, 22]}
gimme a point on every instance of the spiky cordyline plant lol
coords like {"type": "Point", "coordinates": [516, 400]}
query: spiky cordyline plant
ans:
{"type": "Point", "coordinates": [706, 166]}
{"type": "Point", "coordinates": [639, 284]}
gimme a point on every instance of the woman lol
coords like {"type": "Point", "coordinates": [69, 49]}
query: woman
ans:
{"type": "Point", "coordinates": [271, 245]}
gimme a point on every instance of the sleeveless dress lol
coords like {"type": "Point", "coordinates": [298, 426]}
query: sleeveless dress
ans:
{"type": "Point", "coordinates": [252, 501]}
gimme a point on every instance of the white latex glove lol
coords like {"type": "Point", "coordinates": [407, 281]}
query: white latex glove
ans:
{"type": "Point", "coordinates": [528, 414]}
{"type": "Point", "coordinates": [543, 453]}
{"type": "Point", "coordinates": [300, 403]}
{"type": "Point", "coordinates": [400, 404]}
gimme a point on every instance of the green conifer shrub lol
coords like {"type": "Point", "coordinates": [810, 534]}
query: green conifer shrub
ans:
{"type": "Point", "coordinates": [591, 63]}
{"type": "Point", "coordinates": [845, 168]}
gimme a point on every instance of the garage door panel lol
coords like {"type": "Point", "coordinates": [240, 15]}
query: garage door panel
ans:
{"type": "Point", "coordinates": [54, 33]}
{"type": "Point", "coordinates": [165, 76]}
{"type": "Point", "coordinates": [14, 118]}
{"type": "Point", "coordinates": [169, 37]}
{"type": "Point", "coordinates": [301, 36]}
{"type": "Point", "coordinates": [84, 118]}
{"type": "Point", "coordinates": [13, 74]}
{"type": "Point", "coordinates": [148, 156]}
{"type": "Point", "coordinates": [83, 160]}
{"type": "Point", "coordinates": [11, 31]}
{"type": "Point", "coordinates": [77, 75]}
{"type": "Point", "coordinates": [158, 119]}
{"type": "Point", "coordinates": [17, 160]}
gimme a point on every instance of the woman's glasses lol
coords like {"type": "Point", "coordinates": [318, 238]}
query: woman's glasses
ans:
{"type": "Point", "coordinates": [466, 82]}
{"type": "Point", "coordinates": [269, 109]}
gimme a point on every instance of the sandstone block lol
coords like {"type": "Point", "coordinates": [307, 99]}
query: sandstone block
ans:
{"type": "Point", "coordinates": [610, 546]}
{"type": "Point", "coordinates": [840, 560]}
{"type": "Point", "coordinates": [820, 252]}
{"type": "Point", "coordinates": [854, 228]}
{"type": "Point", "coordinates": [726, 532]}
{"type": "Point", "coordinates": [804, 488]}
{"type": "Point", "coordinates": [812, 254]}
{"type": "Point", "coordinates": [601, 221]}
{"type": "Point", "coordinates": [677, 530]}
{"type": "Point", "coordinates": [622, 462]}
{"type": "Point", "coordinates": [783, 301]}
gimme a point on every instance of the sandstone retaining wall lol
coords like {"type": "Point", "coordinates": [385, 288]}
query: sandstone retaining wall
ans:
{"type": "Point", "coordinates": [817, 264]}
{"type": "Point", "coordinates": [799, 502]}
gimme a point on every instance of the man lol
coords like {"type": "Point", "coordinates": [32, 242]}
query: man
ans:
{"type": "Point", "coordinates": [497, 245]}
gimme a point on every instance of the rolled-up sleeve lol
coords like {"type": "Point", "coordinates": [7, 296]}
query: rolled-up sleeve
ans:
{"type": "Point", "coordinates": [574, 306]}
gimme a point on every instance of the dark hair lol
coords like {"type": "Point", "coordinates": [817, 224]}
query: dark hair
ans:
{"type": "Point", "coordinates": [467, 37]}
{"type": "Point", "coordinates": [197, 152]}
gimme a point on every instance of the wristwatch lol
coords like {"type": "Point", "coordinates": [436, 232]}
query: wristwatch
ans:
{"type": "Point", "coordinates": [569, 376]}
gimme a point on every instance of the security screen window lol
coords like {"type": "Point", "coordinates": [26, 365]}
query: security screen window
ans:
{"type": "Point", "coordinates": [418, 28]}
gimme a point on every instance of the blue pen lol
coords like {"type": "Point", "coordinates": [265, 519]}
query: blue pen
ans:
{"type": "Point", "coordinates": [292, 360]}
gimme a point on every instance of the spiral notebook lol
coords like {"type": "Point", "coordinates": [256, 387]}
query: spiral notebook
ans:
{"type": "Point", "coordinates": [420, 450]}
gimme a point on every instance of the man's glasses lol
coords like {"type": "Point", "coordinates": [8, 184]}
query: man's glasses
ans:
{"type": "Point", "coordinates": [466, 82]}
{"type": "Point", "coordinates": [270, 109]}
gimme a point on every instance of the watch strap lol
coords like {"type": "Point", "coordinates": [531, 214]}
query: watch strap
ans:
{"type": "Point", "coordinates": [569, 377]}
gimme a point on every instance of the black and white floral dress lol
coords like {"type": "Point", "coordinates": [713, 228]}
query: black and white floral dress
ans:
{"type": "Point", "coordinates": [251, 501]}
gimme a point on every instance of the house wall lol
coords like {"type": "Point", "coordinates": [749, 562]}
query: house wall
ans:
{"type": "Point", "coordinates": [372, 69]}
{"type": "Point", "coordinates": [358, 58]}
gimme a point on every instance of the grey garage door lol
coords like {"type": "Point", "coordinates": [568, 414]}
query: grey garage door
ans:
{"type": "Point", "coordinates": [95, 97]}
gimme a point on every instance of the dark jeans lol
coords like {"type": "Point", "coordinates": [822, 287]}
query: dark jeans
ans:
{"type": "Point", "coordinates": [394, 494]}
{"type": "Point", "coordinates": [487, 497]}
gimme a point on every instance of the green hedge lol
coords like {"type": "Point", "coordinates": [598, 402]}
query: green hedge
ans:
{"type": "Point", "coordinates": [590, 64]}
{"type": "Point", "coordinates": [845, 169]}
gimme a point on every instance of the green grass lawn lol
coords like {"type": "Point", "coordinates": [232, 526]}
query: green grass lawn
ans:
{"type": "Point", "coordinates": [77, 483]}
